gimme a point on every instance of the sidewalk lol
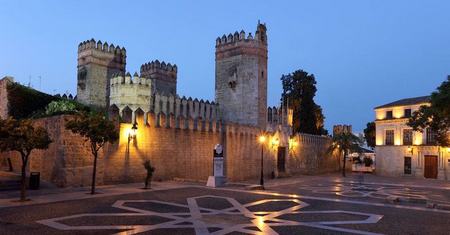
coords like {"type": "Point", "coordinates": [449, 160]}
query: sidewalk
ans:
{"type": "Point", "coordinates": [67, 194]}
{"type": "Point", "coordinates": [361, 178]}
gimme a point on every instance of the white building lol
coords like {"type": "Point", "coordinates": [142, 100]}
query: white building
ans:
{"type": "Point", "coordinates": [401, 151]}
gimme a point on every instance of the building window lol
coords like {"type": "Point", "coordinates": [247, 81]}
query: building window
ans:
{"type": "Point", "coordinates": [389, 114]}
{"type": "Point", "coordinates": [407, 113]}
{"type": "Point", "coordinates": [407, 136]}
{"type": "Point", "coordinates": [431, 137]}
{"type": "Point", "coordinates": [407, 166]}
{"type": "Point", "coordinates": [389, 139]}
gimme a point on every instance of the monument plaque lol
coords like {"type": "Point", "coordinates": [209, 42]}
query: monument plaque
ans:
{"type": "Point", "coordinates": [218, 178]}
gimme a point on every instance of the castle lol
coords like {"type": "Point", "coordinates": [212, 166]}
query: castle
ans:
{"type": "Point", "coordinates": [240, 86]}
{"type": "Point", "coordinates": [176, 133]}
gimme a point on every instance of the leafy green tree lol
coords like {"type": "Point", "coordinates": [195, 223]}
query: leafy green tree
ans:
{"type": "Point", "coordinates": [345, 143]}
{"type": "Point", "coordinates": [436, 116]}
{"type": "Point", "coordinates": [299, 89]}
{"type": "Point", "coordinates": [98, 130]}
{"type": "Point", "coordinates": [369, 134]}
{"type": "Point", "coordinates": [150, 169]}
{"type": "Point", "coordinates": [23, 137]}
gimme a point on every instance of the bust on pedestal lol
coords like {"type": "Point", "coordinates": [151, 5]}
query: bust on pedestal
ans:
{"type": "Point", "coordinates": [218, 179]}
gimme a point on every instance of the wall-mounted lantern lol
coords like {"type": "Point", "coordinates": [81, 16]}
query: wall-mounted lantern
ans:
{"type": "Point", "coordinates": [410, 150]}
{"type": "Point", "coordinates": [132, 133]}
{"type": "Point", "coordinates": [275, 142]}
{"type": "Point", "coordinates": [292, 144]}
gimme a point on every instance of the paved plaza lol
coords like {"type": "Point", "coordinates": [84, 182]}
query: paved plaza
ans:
{"type": "Point", "coordinates": [326, 205]}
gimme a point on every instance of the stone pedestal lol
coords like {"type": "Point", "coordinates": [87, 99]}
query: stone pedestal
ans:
{"type": "Point", "coordinates": [216, 181]}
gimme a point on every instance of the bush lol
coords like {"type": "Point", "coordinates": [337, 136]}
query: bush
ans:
{"type": "Point", "coordinates": [23, 101]}
{"type": "Point", "coordinates": [368, 161]}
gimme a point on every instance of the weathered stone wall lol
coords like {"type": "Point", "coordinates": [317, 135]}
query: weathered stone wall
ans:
{"type": "Point", "coordinates": [164, 76]}
{"type": "Point", "coordinates": [311, 156]}
{"type": "Point", "coordinates": [178, 148]}
{"type": "Point", "coordinates": [4, 96]}
{"type": "Point", "coordinates": [67, 161]}
{"type": "Point", "coordinates": [134, 92]}
{"type": "Point", "coordinates": [97, 63]}
{"type": "Point", "coordinates": [241, 77]}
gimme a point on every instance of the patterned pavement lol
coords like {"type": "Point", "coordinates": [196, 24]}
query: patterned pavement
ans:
{"type": "Point", "coordinates": [233, 217]}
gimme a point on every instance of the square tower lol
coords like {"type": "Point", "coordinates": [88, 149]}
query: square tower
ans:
{"type": "Point", "coordinates": [241, 77]}
{"type": "Point", "coordinates": [164, 76]}
{"type": "Point", "coordinates": [97, 62]}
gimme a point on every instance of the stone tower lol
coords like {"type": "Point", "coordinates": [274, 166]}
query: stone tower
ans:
{"type": "Point", "coordinates": [97, 62]}
{"type": "Point", "coordinates": [241, 77]}
{"type": "Point", "coordinates": [164, 76]}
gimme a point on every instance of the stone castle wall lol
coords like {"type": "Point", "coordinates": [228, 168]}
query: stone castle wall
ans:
{"type": "Point", "coordinates": [177, 151]}
{"type": "Point", "coordinates": [67, 161]}
{"type": "Point", "coordinates": [310, 155]}
{"type": "Point", "coordinates": [4, 96]}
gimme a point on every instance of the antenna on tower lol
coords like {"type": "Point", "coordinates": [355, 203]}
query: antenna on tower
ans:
{"type": "Point", "coordinates": [29, 81]}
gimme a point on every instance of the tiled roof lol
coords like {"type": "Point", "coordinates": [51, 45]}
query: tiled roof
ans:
{"type": "Point", "coordinates": [408, 101]}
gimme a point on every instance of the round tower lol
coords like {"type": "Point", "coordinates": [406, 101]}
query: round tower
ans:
{"type": "Point", "coordinates": [97, 62]}
{"type": "Point", "coordinates": [241, 77]}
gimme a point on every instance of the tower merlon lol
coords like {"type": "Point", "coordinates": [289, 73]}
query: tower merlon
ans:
{"type": "Point", "coordinates": [103, 47]}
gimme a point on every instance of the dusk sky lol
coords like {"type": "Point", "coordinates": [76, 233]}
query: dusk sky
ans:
{"type": "Point", "coordinates": [363, 53]}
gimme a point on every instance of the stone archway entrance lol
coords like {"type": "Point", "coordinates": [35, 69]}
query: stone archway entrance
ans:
{"type": "Point", "coordinates": [431, 166]}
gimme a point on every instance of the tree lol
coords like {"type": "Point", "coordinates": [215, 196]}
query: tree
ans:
{"type": "Point", "coordinates": [299, 89]}
{"type": "Point", "coordinates": [23, 137]}
{"type": "Point", "coordinates": [369, 134]}
{"type": "Point", "coordinates": [98, 130]}
{"type": "Point", "coordinates": [150, 169]}
{"type": "Point", "coordinates": [436, 116]}
{"type": "Point", "coordinates": [345, 143]}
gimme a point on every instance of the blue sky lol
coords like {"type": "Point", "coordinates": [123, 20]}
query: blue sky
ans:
{"type": "Point", "coordinates": [363, 53]}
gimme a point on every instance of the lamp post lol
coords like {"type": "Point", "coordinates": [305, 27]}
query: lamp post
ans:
{"type": "Point", "coordinates": [262, 139]}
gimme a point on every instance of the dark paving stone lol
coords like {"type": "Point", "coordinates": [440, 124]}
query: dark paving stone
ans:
{"type": "Point", "coordinates": [320, 217]}
{"type": "Point", "coordinates": [305, 230]}
{"type": "Point", "coordinates": [115, 220]}
{"type": "Point", "coordinates": [171, 231]}
{"type": "Point", "coordinates": [156, 207]}
{"type": "Point", "coordinates": [272, 206]}
{"type": "Point", "coordinates": [214, 203]}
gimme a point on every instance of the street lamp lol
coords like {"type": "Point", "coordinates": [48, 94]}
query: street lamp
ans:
{"type": "Point", "coordinates": [262, 140]}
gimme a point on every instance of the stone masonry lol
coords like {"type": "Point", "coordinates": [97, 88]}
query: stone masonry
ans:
{"type": "Point", "coordinates": [164, 76]}
{"type": "Point", "coordinates": [97, 62]}
{"type": "Point", "coordinates": [241, 77]}
{"type": "Point", "coordinates": [4, 96]}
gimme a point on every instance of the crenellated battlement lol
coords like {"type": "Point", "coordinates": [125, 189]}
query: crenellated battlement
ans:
{"type": "Point", "coordinates": [240, 38]}
{"type": "Point", "coordinates": [185, 107]}
{"type": "Point", "coordinates": [132, 91]}
{"type": "Point", "coordinates": [236, 37]}
{"type": "Point", "coordinates": [99, 46]}
{"type": "Point", "coordinates": [164, 76]}
{"type": "Point", "coordinates": [156, 65]}
{"type": "Point", "coordinates": [279, 116]}
{"type": "Point", "coordinates": [137, 80]}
